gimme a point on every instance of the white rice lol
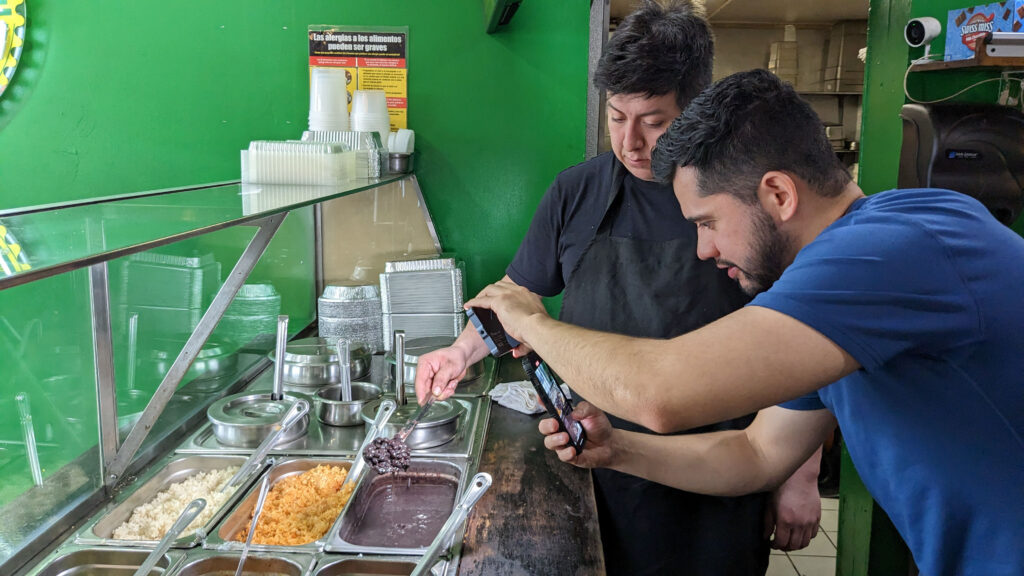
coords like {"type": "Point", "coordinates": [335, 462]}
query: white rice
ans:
{"type": "Point", "coordinates": [153, 519]}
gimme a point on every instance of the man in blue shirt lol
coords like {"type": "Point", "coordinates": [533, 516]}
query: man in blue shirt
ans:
{"type": "Point", "coordinates": [899, 315]}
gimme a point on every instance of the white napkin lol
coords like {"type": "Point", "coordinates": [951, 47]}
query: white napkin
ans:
{"type": "Point", "coordinates": [520, 396]}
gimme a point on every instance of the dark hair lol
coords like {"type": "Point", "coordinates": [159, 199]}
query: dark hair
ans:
{"type": "Point", "coordinates": [658, 49]}
{"type": "Point", "coordinates": [740, 128]}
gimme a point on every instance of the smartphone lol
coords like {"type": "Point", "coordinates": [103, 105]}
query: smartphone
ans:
{"type": "Point", "coordinates": [490, 329]}
{"type": "Point", "coordinates": [559, 407]}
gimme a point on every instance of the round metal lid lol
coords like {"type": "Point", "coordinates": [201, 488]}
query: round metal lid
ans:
{"type": "Point", "coordinates": [318, 350]}
{"type": "Point", "coordinates": [249, 409]}
{"type": "Point", "coordinates": [442, 412]}
{"type": "Point", "coordinates": [416, 347]}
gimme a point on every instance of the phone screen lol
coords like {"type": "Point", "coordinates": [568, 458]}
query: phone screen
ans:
{"type": "Point", "coordinates": [560, 404]}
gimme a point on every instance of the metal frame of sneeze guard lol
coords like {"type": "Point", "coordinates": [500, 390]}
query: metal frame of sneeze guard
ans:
{"type": "Point", "coordinates": [123, 457]}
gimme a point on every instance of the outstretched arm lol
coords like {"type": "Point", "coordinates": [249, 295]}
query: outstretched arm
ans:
{"type": "Point", "coordinates": [728, 463]}
{"type": "Point", "coordinates": [748, 360]}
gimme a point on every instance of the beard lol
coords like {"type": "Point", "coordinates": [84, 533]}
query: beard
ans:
{"type": "Point", "coordinates": [769, 248]}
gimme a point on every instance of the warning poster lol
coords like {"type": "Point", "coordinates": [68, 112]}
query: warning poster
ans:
{"type": "Point", "coordinates": [374, 59]}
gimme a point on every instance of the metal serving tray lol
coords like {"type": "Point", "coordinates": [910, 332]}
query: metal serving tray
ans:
{"type": "Point", "coordinates": [198, 562]}
{"type": "Point", "coordinates": [348, 526]}
{"type": "Point", "coordinates": [176, 468]}
{"type": "Point", "coordinates": [222, 538]}
{"type": "Point", "coordinates": [321, 439]}
{"type": "Point", "coordinates": [331, 565]}
{"type": "Point", "coordinates": [72, 560]}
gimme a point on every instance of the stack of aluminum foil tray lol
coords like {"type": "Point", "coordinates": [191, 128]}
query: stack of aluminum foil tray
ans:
{"type": "Point", "coordinates": [422, 298]}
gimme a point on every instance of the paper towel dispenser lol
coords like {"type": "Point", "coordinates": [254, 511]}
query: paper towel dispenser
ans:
{"type": "Point", "coordinates": [976, 149]}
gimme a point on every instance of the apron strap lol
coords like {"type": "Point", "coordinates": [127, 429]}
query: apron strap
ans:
{"type": "Point", "coordinates": [618, 177]}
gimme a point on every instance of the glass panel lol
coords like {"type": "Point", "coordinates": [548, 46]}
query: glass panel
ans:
{"type": "Point", "coordinates": [157, 298]}
{"type": "Point", "coordinates": [41, 243]}
{"type": "Point", "coordinates": [48, 418]}
{"type": "Point", "coordinates": [364, 231]}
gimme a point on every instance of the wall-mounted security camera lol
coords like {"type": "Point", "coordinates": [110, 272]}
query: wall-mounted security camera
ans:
{"type": "Point", "coordinates": [921, 31]}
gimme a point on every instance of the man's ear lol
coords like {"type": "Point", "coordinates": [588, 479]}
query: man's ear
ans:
{"type": "Point", "coordinates": [778, 195]}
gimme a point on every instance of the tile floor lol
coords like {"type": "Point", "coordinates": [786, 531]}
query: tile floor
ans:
{"type": "Point", "coordinates": [819, 558]}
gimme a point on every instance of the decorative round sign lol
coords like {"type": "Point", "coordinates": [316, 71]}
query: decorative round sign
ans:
{"type": "Point", "coordinates": [12, 38]}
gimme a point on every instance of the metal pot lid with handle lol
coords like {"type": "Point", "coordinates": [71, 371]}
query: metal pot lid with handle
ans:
{"type": "Point", "coordinates": [416, 347]}
{"type": "Point", "coordinates": [441, 413]}
{"type": "Point", "coordinates": [317, 351]}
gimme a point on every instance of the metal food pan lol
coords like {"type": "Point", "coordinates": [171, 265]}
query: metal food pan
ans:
{"type": "Point", "coordinates": [100, 529]}
{"type": "Point", "coordinates": [348, 526]}
{"type": "Point", "coordinates": [84, 561]}
{"type": "Point", "coordinates": [223, 537]}
{"type": "Point", "coordinates": [199, 562]}
{"type": "Point", "coordinates": [368, 566]}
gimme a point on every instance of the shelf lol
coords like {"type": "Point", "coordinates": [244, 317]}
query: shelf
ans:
{"type": "Point", "coordinates": [981, 60]}
{"type": "Point", "coordinates": [59, 238]}
{"type": "Point", "coordinates": [845, 151]}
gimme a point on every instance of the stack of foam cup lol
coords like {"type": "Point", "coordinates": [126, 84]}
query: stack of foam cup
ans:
{"type": "Point", "coordinates": [328, 100]}
{"type": "Point", "coordinates": [370, 113]}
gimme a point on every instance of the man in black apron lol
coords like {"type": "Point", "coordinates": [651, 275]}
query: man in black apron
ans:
{"type": "Point", "coordinates": [614, 241]}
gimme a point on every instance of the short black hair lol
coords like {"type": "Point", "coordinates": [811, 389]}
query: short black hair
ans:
{"type": "Point", "coordinates": [740, 128]}
{"type": "Point", "coordinates": [659, 48]}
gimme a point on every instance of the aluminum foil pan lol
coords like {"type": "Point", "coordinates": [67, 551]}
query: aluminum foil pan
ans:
{"type": "Point", "coordinates": [422, 325]}
{"type": "Point", "coordinates": [420, 265]}
{"type": "Point", "coordinates": [422, 292]}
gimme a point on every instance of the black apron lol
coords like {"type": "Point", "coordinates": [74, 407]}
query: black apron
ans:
{"type": "Point", "coordinates": [660, 290]}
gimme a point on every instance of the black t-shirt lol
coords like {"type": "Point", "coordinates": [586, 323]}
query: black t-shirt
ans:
{"type": "Point", "coordinates": [568, 215]}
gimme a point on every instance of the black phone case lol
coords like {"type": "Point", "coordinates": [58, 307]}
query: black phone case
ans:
{"type": "Point", "coordinates": [529, 366]}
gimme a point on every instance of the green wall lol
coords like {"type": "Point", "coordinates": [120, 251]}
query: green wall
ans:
{"type": "Point", "coordinates": [126, 95]}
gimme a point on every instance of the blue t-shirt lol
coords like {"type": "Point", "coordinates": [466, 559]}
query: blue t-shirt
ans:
{"type": "Point", "coordinates": [926, 291]}
{"type": "Point", "coordinates": [569, 213]}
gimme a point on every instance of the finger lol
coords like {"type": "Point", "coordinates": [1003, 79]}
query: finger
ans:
{"type": "Point", "coordinates": [585, 410]}
{"type": "Point", "coordinates": [442, 382]}
{"type": "Point", "coordinates": [782, 535]}
{"type": "Point", "coordinates": [547, 426]}
{"type": "Point", "coordinates": [803, 541]}
{"type": "Point", "coordinates": [556, 441]}
{"type": "Point", "coordinates": [567, 454]}
{"type": "Point", "coordinates": [424, 380]}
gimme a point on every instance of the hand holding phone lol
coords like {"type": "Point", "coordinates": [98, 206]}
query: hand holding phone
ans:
{"type": "Point", "coordinates": [558, 406]}
{"type": "Point", "coordinates": [491, 331]}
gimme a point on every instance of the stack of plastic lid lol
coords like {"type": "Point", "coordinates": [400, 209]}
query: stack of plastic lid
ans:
{"type": "Point", "coordinates": [306, 163]}
{"type": "Point", "coordinates": [352, 313]}
{"type": "Point", "coordinates": [423, 298]}
{"type": "Point", "coordinates": [252, 313]}
{"type": "Point", "coordinates": [361, 141]}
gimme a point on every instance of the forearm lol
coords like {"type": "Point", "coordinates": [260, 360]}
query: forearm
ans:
{"type": "Point", "coordinates": [596, 363]}
{"type": "Point", "coordinates": [472, 345]}
{"type": "Point", "coordinates": [734, 366]}
{"type": "Point", "coordinates": [718, 463]}
{"type": "Point", "coordinates": [807, 473]}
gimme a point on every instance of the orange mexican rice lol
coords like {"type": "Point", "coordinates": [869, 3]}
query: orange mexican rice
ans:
{"type": "Point", "coordinates": [300, 509]}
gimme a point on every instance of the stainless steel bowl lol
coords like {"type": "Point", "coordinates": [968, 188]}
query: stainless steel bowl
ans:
{"type": "Point", "coordinates": [334, 411]}
{"type": "Point", "coordinates": [244, 420]}
{"type": "Point", "coordinates": [313, 362]}
{"type": "Point", "coordinates": [437, 427]}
